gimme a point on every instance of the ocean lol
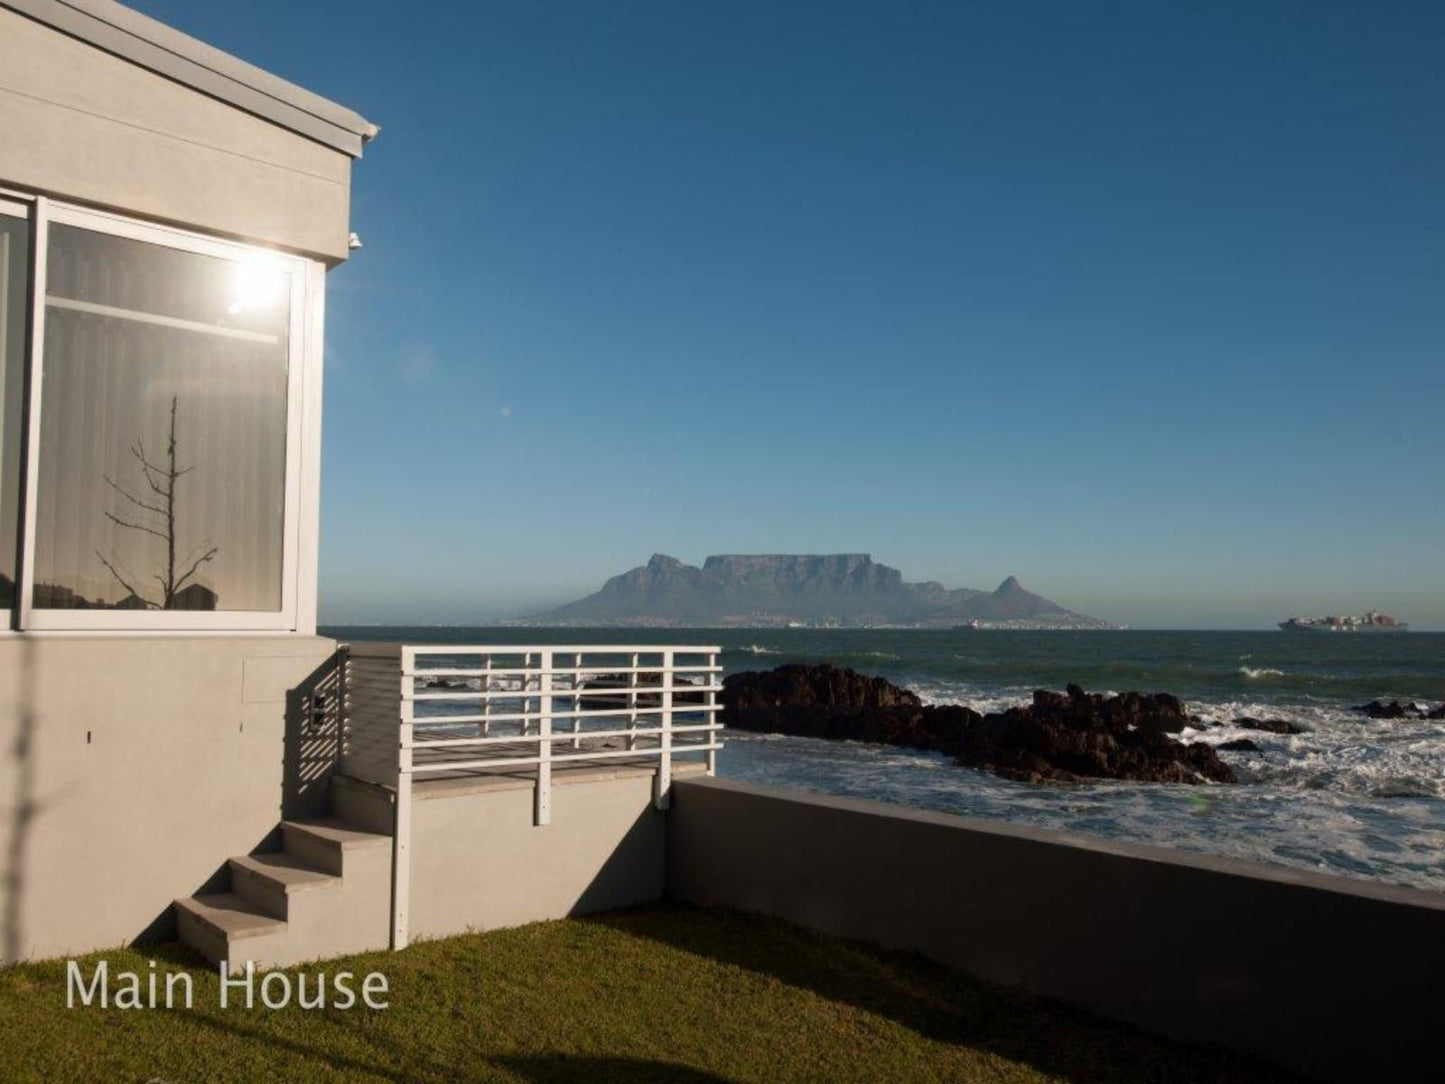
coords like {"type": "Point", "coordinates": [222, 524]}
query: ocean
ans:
{"type": "Point", "coordinates": [1353, 796]}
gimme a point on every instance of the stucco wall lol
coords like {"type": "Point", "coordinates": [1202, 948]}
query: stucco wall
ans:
{"type": "Point", "coordinates": [479, 861]}
{"type": "Point", "coordinates": [1337, 978]}
{"type": "Point", "coordinates": [143, 763]}
{"type": "Point", "coordinates": [81, 124]}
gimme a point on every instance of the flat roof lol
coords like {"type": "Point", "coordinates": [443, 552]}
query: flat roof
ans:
{"type": "Point", "coordinates": [149, 44]}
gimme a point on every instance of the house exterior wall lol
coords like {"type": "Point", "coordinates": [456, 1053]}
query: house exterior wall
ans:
{"type": "Point", "coordinates": [132, 768]}
{"type": "Point", "coordinates": [133, 765]}
{"type": "Point", "coordinates": [84, 125]}
{"type": "Point", "coordinates": [1339, 979]}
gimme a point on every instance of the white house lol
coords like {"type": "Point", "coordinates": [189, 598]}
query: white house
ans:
{"type": "Point", "coordinates": [167, 217]}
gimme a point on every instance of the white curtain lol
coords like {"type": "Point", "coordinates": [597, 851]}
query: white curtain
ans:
{"type": "Point", "coordinates": [130, 329]}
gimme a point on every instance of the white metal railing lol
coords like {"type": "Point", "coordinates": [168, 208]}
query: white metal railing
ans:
{"type": "Point", "coordinates": [507, 709]}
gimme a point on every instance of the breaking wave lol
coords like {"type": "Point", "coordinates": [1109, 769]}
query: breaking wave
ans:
{"type": "Point", "coordinates": [1259, 671]}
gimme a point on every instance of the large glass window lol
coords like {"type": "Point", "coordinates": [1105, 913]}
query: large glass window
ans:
{"type": "Point", "coordinates": [14, 304]}
{"type": "Point", "coordinates": [162, 452]}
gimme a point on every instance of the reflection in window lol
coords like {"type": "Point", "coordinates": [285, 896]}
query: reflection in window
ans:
{"type": "Point", "coordinates": [14, 272]}
{"type": "Point", "coordinates": [163, 428]}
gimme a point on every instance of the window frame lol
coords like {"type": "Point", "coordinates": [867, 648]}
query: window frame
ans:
{"type": "Point", "coordinates": [16, 205]}
{"type": "Point", "coordinates": [300, 512]}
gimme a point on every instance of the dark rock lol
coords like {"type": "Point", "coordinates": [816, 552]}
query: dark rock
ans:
{"type": "Point", "coordinates": [1066, 737]}
{"type": "Point", "coordinates": [1437, 713]}
{"type": "Point", "coordinates": [1378, 709]}
{"type": "Point", "coordinates": [1239, 745]}
{"type": "Point", "coordinates": [446, 683]}
{"type": "Point", "coordinates": [1272, 726]}
{"type": "Point", "coordinates": [1076, 736]}
{"type": "Point", "coordinates": [827, 701]}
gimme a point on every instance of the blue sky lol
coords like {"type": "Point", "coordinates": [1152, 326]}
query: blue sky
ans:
{"type": "Point", "coordinates": [1144, 303]}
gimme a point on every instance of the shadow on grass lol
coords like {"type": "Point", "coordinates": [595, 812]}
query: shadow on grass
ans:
{"type": "Point", "coordinates": [937, 1002]}
{"type": "Point", "coordinates": [544, 1069]}
{"type": "Point", "coordinates": [403, 1062]}
{"type": "Point", "coordinates": [564, 1069]}
{"type": "Point", "coordinates": [310, 1052]}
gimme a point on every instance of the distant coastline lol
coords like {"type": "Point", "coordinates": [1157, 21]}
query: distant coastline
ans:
{"type": "Point", "coordinates": [808, 591]}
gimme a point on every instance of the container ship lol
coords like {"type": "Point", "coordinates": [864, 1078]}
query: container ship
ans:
{"type": "Point", "coordinates": [1370, 622]}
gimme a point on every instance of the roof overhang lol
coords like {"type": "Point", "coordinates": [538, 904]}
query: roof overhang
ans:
{"type": "Point", "coordinates": [153, 45]}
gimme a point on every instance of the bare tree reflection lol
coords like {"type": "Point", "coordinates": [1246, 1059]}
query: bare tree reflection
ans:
{"type": "Point", "coordinates": [154, 513]}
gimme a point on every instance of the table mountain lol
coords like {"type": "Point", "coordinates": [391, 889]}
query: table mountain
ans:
{"type": "Point", "coordinates": [778, 589]}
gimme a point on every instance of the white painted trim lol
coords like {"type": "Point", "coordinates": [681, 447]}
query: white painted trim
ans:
{"type": "Point", "coordinates": [98, 309]}
{"type": "Point", "coordinates": [560, 649]}
{"type": "Point", "coordinates": [21, 211]}
{"type": "Point", "coordinates": [401, 831]}
{"type": "Point", "coordinates": [157, 634]}
{"type": "Point", "coordinates": [296, 361]}
{"type": "Point", "coordinates": [17, 195]}
{"type": "Point", "coordinates": [155, 233]}
{"type": "Point", "coordinates": [35, 380]}
{"type": "Point", "coordinates": [303, 408]}
{"type": "Point", "coordinates": [308, 522]}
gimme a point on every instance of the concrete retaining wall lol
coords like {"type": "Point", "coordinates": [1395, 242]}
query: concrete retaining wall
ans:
{"type": "Point", "coordinates": [1336, 978]}
{"type": "Point", "coordinates": [132, 768]}
{"type": "Point", "coordinates": [480, 862]}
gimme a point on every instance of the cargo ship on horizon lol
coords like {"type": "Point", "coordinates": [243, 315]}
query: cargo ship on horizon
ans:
{"type": "Point", "coordinates": [1369, 622]}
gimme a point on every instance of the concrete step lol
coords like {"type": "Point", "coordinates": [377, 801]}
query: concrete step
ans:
{"type": "Point", "coordinates": [272, 882]}
{"type": "Point", "coordinates": [325, 842]}
{"type": "Point", "coordinates": [368, 807]}
{"type": "Point", "coordinates": [327, 894]}
{"type": "Point", "coordinates": [216, 923]}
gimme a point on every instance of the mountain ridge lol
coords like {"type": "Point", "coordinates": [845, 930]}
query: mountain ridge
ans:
{"type": "Point", "coordinates": [770, 589]}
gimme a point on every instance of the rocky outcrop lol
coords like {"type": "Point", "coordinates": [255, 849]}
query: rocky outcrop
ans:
{"type": "Point", "coordinates": [1239, 745]}
{"type": "Point", "coordinates": [1059, 737]}
{"type": "Point", "coordinates": [1378, 709]}
{"type": "Point", "coordinates": [834, 702]}
{"type": "Point", "coordinates": [1270, 726]}
{"type": "Point", "coordinates": [1074, 737]}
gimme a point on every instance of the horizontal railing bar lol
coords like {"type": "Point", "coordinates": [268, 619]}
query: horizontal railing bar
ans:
{"type": "Point", "coordinates": [559, 649]}
{"type": "Point", "coordinates": [564, 671]}
{"type": "Point", "coordinates": [566, 694]}
{"type": "Point", "coordinates": [533, 739]}
{"type": "Point", "coordinates": [518, 762]}
{"type": "Point", "coordinates": [579, 713]}
{"type": "Point", "coordinates": [699, 747]}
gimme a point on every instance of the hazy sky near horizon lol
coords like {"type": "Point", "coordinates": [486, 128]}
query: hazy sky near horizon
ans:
{"type": "Point", "coordinates": [1144, 303]}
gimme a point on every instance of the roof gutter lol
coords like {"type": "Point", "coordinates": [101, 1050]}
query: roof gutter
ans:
{"type": "Point", "coordinates": [159, 48]}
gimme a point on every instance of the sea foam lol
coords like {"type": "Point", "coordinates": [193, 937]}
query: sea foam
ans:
{"type": "Point", "coordinates": [1259, 672]}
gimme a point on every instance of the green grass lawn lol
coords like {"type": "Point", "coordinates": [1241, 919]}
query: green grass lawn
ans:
{"type": "Point", "coordinates": [659, 993]}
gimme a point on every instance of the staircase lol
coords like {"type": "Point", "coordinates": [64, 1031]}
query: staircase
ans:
{"type": "Point", "coordinates": [326, 893]}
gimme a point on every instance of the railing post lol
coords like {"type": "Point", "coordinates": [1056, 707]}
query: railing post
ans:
{"type": "Point", "coordinates": [486, 700]}
{"type": "Point", "coordinates": [544, 742]}
{"type": "Point", "coordinates": [632, 702]}
{"type": "Point", "coordinates": [662, 781]}
{"type": "Point", "coordinates": [401, 841]}
{"type": "Point", "coordinates": [526, 688]}
{"type": "Point", "coordinates": [712, 680]}
{"type": "Point", "coordinates": [576, 700]}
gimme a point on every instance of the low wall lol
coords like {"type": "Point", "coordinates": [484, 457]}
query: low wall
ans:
{"type": "Point", "coordinates": [133, 767]}
{"type": "Point", "coordinates": [1336, 978]}
{"type": "Point", "coordinates": [480, 862]}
